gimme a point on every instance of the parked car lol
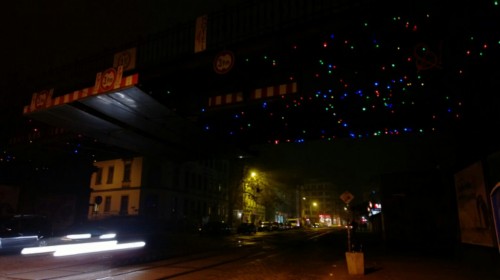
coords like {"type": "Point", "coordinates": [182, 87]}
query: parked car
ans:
{"type": "Point", "coordinates": [293, 223]}
{"type": "Point", "coordinates": [277, 226]}
{"type": "Point", "coordinates": [215, 228]}
{"type": "Point", "coordinates": [21, 231]}
{"type": "Point", "coordinates": [265, 226]}
{"type": "Point", "coordinates": [247, 228]}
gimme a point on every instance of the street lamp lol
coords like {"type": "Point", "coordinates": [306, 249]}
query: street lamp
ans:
{"type": "Point", "coordinates": [316, 214]}
{"type": "Point", "coordinates": [252, 196]}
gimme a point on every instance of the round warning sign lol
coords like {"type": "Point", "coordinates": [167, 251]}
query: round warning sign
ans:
{"type": "Point", "coordinates": [108, 79]}
{"type": "Point", "coordinates": [223, 62]}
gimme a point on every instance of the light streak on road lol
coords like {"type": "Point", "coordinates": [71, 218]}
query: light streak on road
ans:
{"type": "Point", "coordinates": [82, 248]}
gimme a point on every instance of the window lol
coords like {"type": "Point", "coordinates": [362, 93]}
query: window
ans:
{"type": "Point", "coordinates": [111, 171]}
{"type": "Point", "coordinates": [98, 176]}
{"type": "Point", "coordinates": [127, 169]}
{"type": "Point", "coordinates": [124, 205]}
{"type": "Point", "coordinates": [107, 204]}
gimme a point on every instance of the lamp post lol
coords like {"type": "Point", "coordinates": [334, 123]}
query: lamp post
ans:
{"type": "Point", "coordinates": [251, 191]}
{"type": "Point", "coordinates": [316, 212]}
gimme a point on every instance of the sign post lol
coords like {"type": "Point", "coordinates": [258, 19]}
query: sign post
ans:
{"type": "Point", "coordinates": [495, 206]}
{"type": "Point", "coordinates": [347, 197]}
{"type": "Point", "coordinates": [355, 260]}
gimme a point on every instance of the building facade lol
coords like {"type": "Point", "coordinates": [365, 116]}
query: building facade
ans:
{"type": "Point", "coordinates": [320, 204]}
{"type": "Point", "coordinates": [183, 193]}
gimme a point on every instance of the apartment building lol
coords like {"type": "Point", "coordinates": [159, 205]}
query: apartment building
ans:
{"type": "Point", "coordinates": [320, 203]}
{"type": "Point", "coordinates": [183, 193]}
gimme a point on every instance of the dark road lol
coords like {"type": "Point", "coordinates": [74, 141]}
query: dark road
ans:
{"type": "Point", "coordinates": [294, 254]}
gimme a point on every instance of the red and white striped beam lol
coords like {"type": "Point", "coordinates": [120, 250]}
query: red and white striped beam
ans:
{"type": "Point", "coordinates": [259, 93]}
{"type": "Point", "coordinates": [80, 94]}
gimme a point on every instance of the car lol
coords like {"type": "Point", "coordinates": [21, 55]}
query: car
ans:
{"type": "Point", "coordinates": [265, 226]}
{"type": "Point", "coordinates": [293, 223]}
{"type": "Point", "coordinates": [277, 226]}
{"type": "Point", "coordinates": [88, 231]}
{"type": "Point", "coordinates": [119, 228]}
{"type": "Point", "coordinates": [21, 231]}
{"type": "Point", "coordinates": [215, 228]}
{"type": "Point", "coordinates": [246, 228]}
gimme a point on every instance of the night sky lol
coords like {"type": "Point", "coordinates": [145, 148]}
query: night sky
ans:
{"type": "Point", "coordinates": [389, 78]}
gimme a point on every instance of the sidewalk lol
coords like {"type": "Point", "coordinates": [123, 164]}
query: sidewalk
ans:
{"type": "Point", "coordinates": [380, 262]}
{"type": "Point", "coordinates": [465, 263]}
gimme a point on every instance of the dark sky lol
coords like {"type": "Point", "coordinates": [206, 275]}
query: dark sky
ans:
{"type": "Point", "coordinates": [355, 165]}
{"type": "Point", "coordinates": [39, 35]}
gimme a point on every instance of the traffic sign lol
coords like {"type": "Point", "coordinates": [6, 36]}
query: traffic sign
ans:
{"type": "Point", "coordinates": [346, 197]}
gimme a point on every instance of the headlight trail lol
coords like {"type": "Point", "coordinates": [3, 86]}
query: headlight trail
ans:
{"type": "Point", "coordinates": [82, 248]}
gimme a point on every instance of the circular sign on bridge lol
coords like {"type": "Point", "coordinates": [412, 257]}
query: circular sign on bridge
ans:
{"type": "Point", "coordinates": [108, 79]}
{"type": "Point", "coordinates": [223, 62]}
